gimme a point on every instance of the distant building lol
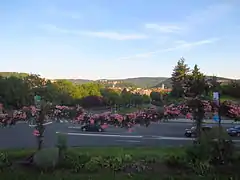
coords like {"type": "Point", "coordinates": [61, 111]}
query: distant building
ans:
{"type": "Point", "coordinates": [163, 86]}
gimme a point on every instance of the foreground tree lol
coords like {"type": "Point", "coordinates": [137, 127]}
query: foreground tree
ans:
{"type": "Point", "coordinates": [41, 115]}
{"type": "Point", "coordinates": [194, 88]}
{"type": "Point", "coordinates": [178, 77]}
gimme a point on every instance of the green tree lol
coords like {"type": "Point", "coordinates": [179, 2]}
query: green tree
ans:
{"type": "Point", "coordinates": [178, 77]}
{"type": "Point", "coordinates": [126, 97]}
{"type": "Point", "coordinates": [195, 83]}
{"type": "Point", "coordinates": [194, 87]}
{"type": "Point", "coordinates": [155, 96]}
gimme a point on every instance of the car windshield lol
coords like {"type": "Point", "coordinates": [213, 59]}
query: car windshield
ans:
{"type": "Point", "coordinates": [193, 128]}
{"type": "Point", "coordinates": [237, 127]}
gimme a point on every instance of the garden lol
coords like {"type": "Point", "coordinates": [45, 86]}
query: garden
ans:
{"type": "Point", "coordinates": [202, 161]}
{"type": "Point", "coordinates": [35, 100]}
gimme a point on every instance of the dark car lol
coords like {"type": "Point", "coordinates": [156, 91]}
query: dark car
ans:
{"type": "Point", "coordinates": [234, 131]}
{"type": "Point", "coordinates": [193, 133]}
{"type": "Point", "coordinates": [92, 128]}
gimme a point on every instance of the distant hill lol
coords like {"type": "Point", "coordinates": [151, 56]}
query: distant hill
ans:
{"type": "Point", "coordinates": [78, 81]}
{"type": "Point", "coordinates": [168, 82]}
{"type": "Point", "coordinates": [143, 82]}
{"type": "Point", "coordinates": [16, 74]}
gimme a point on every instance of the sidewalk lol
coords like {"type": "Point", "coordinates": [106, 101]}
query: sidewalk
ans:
{"type": "Point", "coordinates": [209, 121]}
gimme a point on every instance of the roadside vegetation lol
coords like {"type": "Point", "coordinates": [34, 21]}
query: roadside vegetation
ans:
{"type": "Point", "coordinates": [211, 156]}
{"type": "Point", "coordinates": [199, 161]}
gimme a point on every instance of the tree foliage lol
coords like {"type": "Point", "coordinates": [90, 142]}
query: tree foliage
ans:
{"type": "Point", "coordinates": [19, 91]}
{"type": "Point", "coordinates": [178, 77]}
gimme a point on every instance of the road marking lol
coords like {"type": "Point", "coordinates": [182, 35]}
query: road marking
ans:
{"type": "Point", "coordinates": [128, 136]}
{"type": "Point", "coordinates": [100, 135]}
{"type": "Point", "coordinates": [173, 138]}
{"type": "Point", "coordinates": [130, 141]}
{"type": "Point", "coordinates": [74, 127]}
{"type": "Point", "coordinates": [43, 124]}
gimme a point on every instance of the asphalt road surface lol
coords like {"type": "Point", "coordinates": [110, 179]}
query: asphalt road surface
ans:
{"type": "Point", "coordinates": [163, 134]}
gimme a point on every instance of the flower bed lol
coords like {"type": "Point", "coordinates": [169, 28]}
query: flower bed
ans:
{"type": "Point", "coordinates": [144, 117]}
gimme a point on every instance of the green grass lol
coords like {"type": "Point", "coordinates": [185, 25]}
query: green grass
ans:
{"type": "Point", "coordinates": [229, 98]}
{"type": "Point", "coordinates": [61, 175]}
{"type": "Point", "coordinates": [137, 153]}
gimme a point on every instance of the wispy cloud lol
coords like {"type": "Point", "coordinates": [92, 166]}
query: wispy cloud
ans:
{"type": "Point", "coordinates": [180, 45]}
{"type": "Point", "coordinates": [195, 19]}
{"type": "Point", "coordinates": [115, 35]}
{"type": "Point", "coordinates": [209, 14]}
{"type": "Point", "coordinates": [164, 28]}
{"type": "Point", "coordinates": [98, 34]}
{"type": "Point", "coordinates": [62, 13]}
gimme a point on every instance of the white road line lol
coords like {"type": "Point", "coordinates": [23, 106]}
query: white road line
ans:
{"type": "Point", "coordinates": [173, 138]}
{"type": "Point", "coordinates": [129, 141]}
{"type": "Point", "coordinates": [128, 136]}
{"type": "Point", "coordinates": [74, 127]}
{"type": "Point", "coordinates": [100, 135]}
{"type": "Point", "coordinates": [43, 124]}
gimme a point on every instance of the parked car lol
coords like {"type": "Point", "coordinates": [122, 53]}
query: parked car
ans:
{"type": "Point", "coordinates": [92, 128]}
{"type": "Point", "coordinates": [234, 131]}
{"type": "Point", "coordinates": [193, 133]}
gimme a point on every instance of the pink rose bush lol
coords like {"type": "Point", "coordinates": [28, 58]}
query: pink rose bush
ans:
{"type": "Point", "coordinates": [232, 110]}
{"type": "Point", "coordinates": [76, 114]}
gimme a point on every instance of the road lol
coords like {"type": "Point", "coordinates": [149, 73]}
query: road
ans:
{"type": "Point", "coordinates": [163, 134]}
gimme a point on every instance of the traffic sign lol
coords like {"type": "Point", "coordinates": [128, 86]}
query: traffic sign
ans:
{"type": "Point", "coordinates": [216, 118]}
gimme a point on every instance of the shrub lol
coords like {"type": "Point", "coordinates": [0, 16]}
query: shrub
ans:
{"type": "Point", "coordinates": [174, 161]}
{"type": "Point", "coordinates": [4, 161]}
{"type": "Point", "coordinates": [94, 164]}
{"type": "Point", "coordinates": [62, 145]}
{"type": "Point", "coordinates": [75, 161]}
{"type": "Point", "coordinates": [46, 158]}
{"type": "Point", "coordinates": [213, 148]}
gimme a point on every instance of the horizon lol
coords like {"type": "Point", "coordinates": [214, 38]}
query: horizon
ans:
{"type": "Point", "coordinates": [118, 40]}
{"type": "Point", "coordinates": [117, 78]}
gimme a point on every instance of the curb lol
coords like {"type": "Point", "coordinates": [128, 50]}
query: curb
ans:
{"type": "Point", "coordinates": [206, 122]}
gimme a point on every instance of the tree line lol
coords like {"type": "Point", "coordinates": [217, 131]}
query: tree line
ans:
{"type": "Point", "coordinates": [18, 91]}
{"type": "Point", "coordinates": [192, 82]}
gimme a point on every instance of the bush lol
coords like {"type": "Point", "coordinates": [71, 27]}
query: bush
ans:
{"type": "Point", "coordinates": [62, 145]}
{"type": "Point", "coordinates": [46, 158]}
{"type": "Point", "coordinates": [213, 148]}
{"type": "Point", "coordinates": [4, 161]}
{"type": "Point", "coordinates": [94, 164]}
{"type": "Point", "coordinates": [175, 161]}
{"type": "Point", "coordinates": [74, 161]}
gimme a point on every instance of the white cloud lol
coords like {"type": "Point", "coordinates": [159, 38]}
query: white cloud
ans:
{"type": "Point", "coordinates": [60, 13]}
{"type": "Point", "coordinates": [164, 28]}
{"type": "Point", "coordinates": [181, 45]}
{"type": "Point", "coordinates": [115, 35]}
{"type": "Point", "coordinates": [194, 20]}
{"type": "Point", "coordinates": [210, 14]}
{"type": "Point", "coordinates": [106, 34]}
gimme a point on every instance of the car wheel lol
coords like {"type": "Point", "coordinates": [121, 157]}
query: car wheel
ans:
{"type": "Point", "coordinates": [99, 130]}
{"type": "Point", "coordinates": [188, 135]}
{"type": "Point", "coordinates": [84, 129]}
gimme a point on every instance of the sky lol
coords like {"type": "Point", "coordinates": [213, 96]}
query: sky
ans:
{"type": "Point", "coordinates": [98, 39]}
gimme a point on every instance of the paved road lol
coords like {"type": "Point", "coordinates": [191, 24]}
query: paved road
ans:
{"type": "Point", "coordinates": [164, 134]}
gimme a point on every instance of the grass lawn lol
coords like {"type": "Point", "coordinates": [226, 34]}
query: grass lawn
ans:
{"type": "Point", "coordinates": [229, 98]}
{"type": "Point", "coordinates": [125, 110]}
{"type": "Point", "coordinates": [75, 171]}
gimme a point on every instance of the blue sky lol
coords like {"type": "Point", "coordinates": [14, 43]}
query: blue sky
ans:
{"type": "Point", "coordinates": [119, 38]}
